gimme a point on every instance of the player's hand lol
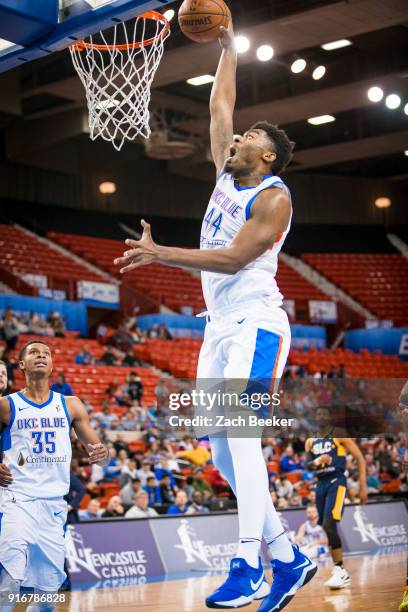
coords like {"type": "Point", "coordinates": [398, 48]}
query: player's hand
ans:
{"type": "Point", "coordinates": [5, 476]}
{"type": "Point", "coordinates": [227, 39]}
{"type": "Point", "coordinates": [363, 494]}
{"type": "Point", "coordinates": [143, 251]}
{"type": "Point", "coordinates": [325, 460]}
{"type": "Point", "coordinates": [98, 453]}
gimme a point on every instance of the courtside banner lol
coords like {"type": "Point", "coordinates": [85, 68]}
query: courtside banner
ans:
{"type": "Point", "coordinates": [112, 553]}
{"type": "Point", "coordinates": [102, 295]}
{"type": "Point", "coordinates": [374, 527]}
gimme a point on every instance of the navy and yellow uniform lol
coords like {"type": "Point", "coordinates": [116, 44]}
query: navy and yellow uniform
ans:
{"type": "Point", "coordinates": [332, 483]}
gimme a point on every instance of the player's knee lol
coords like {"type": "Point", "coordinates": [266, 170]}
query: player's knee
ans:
{"type": "Point", "coordinates": [330, 527]}
{"type": "Point", "coordinates": [8, 583]}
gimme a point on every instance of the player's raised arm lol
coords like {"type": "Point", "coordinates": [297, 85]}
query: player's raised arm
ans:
{"type": "Point", "coordinates": [222, 102]}
{"type": "Point", "coordinates": [98, 453]}
{"type": "Point", "coordinates": [353, 449]}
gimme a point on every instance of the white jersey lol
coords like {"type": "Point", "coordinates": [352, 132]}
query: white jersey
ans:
{"type": "Point", "coordinates": [313, 533]}
{"type": "Point", "coordinates": [227, 212]}
{"type": "Point", "coordinates": [37, 448]}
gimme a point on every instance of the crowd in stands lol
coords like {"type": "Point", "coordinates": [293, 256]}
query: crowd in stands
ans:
{"type": "Point", "coordinates": [13, 324]}
{"type": "Point", "coordinates": [159, 473]}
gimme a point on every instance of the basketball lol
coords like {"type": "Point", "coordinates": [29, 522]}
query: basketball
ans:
{"type": "Point", "coordinates": [200, 20]}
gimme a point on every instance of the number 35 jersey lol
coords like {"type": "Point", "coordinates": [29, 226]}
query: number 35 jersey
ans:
{"type": "Point", "coordinates": [228, 211]}
{"type": "Point", "coordinates": [36, 446]}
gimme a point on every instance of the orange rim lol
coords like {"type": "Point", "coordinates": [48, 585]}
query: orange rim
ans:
{"type": "Point", "coordinates": [81, 45]}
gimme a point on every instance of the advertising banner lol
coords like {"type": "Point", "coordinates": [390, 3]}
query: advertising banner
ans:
{"type": "Point", "coordinates": [102, 295]}
{"type": "Point", "coordinates": [389, 341]}
{"type": "Point", "coordinates": [112, 553]}
{"type": "Point", "coordinates": [321, 311]}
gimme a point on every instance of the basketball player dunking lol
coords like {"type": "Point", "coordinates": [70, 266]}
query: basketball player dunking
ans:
{"type": "Point", "coordinates": [34, 477]}
{"type": "Point", "coordinates": [327, 457]}
{"type": "Point", "coordinates": [248, 334]}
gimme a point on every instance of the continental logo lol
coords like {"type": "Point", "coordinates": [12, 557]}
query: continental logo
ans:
{"type": "Point", "coordinates": [41, 460]}
{"type": "Point", "coordinates": [21, 460]}
{"type": "Point", "coordinates": [195, 21]}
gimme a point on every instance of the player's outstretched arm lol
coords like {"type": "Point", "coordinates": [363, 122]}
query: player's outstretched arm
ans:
{"type": "Point", "coordinates": [222, 101]}
{"type": "Point", "coordinates": [353, 449]}
{"type": "Point", "coordinates": [270, 215]}
{"type": "Point", "coordinates": [97, 452]}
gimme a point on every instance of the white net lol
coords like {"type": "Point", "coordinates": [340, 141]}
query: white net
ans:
{"type": "Point", "coordinates": [117, 69]}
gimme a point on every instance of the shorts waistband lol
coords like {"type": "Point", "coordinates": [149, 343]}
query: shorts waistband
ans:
{"type": "Point", "coordinates": [236, 309]}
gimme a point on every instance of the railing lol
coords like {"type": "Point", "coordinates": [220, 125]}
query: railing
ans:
{"type": "Point", "coordinates": [16, 283]}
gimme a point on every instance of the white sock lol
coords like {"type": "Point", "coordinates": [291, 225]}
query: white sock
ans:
{"type": "Point", "coordinates": [248, 549]}
{"type": "Point", "coordinates": [281, 549]}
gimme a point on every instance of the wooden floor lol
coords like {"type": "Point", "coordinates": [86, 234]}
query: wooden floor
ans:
{"type": "Point", "coordinates": [376, 586]}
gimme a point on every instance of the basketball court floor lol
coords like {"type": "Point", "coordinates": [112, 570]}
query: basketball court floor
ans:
{"type": "Point", "coordinates": [376, 586]}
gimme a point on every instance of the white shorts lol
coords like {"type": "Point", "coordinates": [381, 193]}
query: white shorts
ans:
{"type": "Point", "coordinates": [245, 343]}
{"type": "Point", "coordinates": [32, 540]}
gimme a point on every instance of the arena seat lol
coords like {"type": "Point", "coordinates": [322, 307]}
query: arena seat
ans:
{"type": "Point", "coordinates": [21, 253]}
{"type": "Point", "coordinates": [378, 281]}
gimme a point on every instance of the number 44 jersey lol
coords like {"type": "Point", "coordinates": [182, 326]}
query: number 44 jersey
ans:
{"type": "Point", "coordinates": [227, 212]}
{"type": "Point", "coordinates": [36, 446]}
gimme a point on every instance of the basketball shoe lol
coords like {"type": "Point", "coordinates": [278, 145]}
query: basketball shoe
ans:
{"type": "Point", "coordinates": [287, 579]}
{"type": "Point", "coordinates": [243, 585]}
{"type": "Point", "coordinates": [339, 578]}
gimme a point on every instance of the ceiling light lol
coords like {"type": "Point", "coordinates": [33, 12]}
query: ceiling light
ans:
{"type": "Point", "coordinates": [406, 152]}
{"type": "Point", "coordinates": [264, 53]}
{"type": "Point", "coordinates": [336, 44]}
{"type": "Point", "coordinates": [107, 187]}
{"type": "Point", "coordinates": [321, 119]}
{"type": "Point", "coordinates": [383, 202]}
{"type": "Point", "coordinates": [392, 101]}
{"type": "Point", "coordinates": [5, 44]}
{"type": "Point", "coordinates": [319, 72]}
{"type": "Point", "coordinates": [169, 14]}
{"type": "Point", "coordinates": [406, 109]}
{"type": "Point", "coordinates": [298, 66]}
{"type": "Point", "coordinates": [375, 94]}
{"type": "Point", "coordinates": [242, 44]}
{"type": "Point", "coordinates": [204, 79]}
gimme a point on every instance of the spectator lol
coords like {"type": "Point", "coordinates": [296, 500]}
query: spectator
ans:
{"type": "Point", "coordinates": [284, 487]}
{"type": "Point", "coordinates": [153, 491]}
{"type": "Point", "coordinates": [180, 505]}
{"type": "Point", "coordinates": [197, 506]}
{"type": "Point", "coordinates": [109, 357]}
{"type": "Point", "coordinates": [121, 444]}
{"type": "Point", "coordinates": [10, 330]}
{"type": "Point", "coordinates": [153, 331]}
{"type": "Point", "coordinates": [282, 504]}
{"type": "Point", "coordinates": [74, 497]}
{"type": "Point", "coordinates": [92, 512]}
{"type": "Point", "coordinates": [311, 536]}
{"type": "Point", "coordinates": [84, 357]}
{"type": "Point", "coordinates": [167, 490]}
{"type": "Point", "coordinates": [114, 509]}
{"type": "Point", "coordinates": [141, 509]}
{"type": "Point", "coordinates": [200, 484]}
{"type": "Point", "coordinates": [111, 470]}
{"type": "Point", "coordinates": [130, 359]}
{"type": "Point", "coordinates": [373, 484]}
{"type": "Point", "coordinates": [105, 417]}
{"type": "Point", "coordinates": [163, 333]}
{"type": "Point", "coordinates": [129, 491]}
{"type": "Point", "coordinates": [128, 472]}
{"type": "Point", "coordinates": [134, 387]}
{"type": "Point", "coordinates": [290, 461]}
{"type": "Point", "coordinates": [198, 455]}
{"type": "Point", "coordinates": [162, 469]}
{"type": "Point", "coordinates": [145, 472]}
{"type": "Point", "coordinates": [295, 501]}
{"type": "Point", "coordinates": [57, 323]}
{"type": "Point", "coordinates": [61, 386]}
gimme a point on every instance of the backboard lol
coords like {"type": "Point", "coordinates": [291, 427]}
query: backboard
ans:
{"type": "Point", "coordinates": [32, 30]}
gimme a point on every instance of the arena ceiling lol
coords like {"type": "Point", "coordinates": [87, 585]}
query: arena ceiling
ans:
{"type": "Point", "coordinates": [42, 105]}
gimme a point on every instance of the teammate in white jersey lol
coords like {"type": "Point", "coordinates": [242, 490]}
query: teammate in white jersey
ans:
{"type": "Point", "coordinates": [247, 336]}
{"type": "Point", "coordinates": [311, 536]}
{"type": "Point", "coordinates": [35, 476]}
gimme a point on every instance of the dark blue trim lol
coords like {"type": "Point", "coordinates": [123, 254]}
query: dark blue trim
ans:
{"type": "Point", "coordinates": [1, 518]}
{"type": "Point", "coordinates": [49, 400]}
{"type": "Point", "coordinates": [6, 434]}
{"type": "Point", "coordinates": [252, 200]}
{"type": "Point", "coordinates": [64, 405]}
{"type": "Point", "coordinates": [238, 188]}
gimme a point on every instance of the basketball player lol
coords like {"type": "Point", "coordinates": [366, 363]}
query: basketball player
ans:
{"type": "Point", "coordinates": [248, 335]}
{"type": "Point", "coordinates": [327, 457]}
{"type": "Point", "coordinates": [34, 477]}
{"type": "Point", "coordinates": [311, 536]}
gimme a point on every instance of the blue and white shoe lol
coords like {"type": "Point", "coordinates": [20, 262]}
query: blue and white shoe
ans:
{"type": "Point", "coordinates": [243, 585]}
{"type": "Point", "coordinates": [287, 579]}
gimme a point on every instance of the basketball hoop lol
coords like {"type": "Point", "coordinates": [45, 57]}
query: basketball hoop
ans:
{"type": "Point", "coordinates": [117, 69]}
